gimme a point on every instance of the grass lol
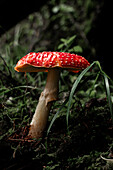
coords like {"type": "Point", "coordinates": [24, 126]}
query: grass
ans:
{"type": "Point", "coordinates": [79, 79]}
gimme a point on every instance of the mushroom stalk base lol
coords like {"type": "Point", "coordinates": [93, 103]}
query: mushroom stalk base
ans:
{"type": "Point", "coordinates": [49, 94]}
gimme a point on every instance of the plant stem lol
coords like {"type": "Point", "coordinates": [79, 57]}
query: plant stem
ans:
{"type": "Point", "coordinates": [49, 94]}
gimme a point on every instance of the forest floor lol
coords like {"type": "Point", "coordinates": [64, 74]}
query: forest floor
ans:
{"type": "Point", "coordinates": [90, 136]}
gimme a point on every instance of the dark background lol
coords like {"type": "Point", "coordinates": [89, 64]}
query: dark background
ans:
{"type": "Point", "coordinates": [99, 36]}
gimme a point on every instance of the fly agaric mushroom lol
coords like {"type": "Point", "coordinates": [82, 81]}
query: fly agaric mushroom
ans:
{"type": "Point", "coordinates": [50, 62]}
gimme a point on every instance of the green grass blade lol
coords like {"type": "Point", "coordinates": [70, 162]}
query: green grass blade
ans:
{"type": "Point", "coordinates": [74, 88]}
{"type": "Point", "coordinates": [106, 77]}
{"type": "Point", "coordinates": [108, 95]}
{"type": "Point", "coordinates": [55, 116]}
{"type": "Point", "coordinates": [15, 88]}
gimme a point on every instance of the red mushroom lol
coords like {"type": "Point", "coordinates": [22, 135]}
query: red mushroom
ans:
{"type": "Point", "coordinates": [50, 62]}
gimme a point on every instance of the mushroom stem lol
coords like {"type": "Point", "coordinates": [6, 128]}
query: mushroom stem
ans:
{"type": "Point", "coordinates": [49, 94]}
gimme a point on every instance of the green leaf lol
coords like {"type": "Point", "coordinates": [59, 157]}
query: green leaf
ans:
{"type": "Point", "coordinates": [63, 40]}
{"type": "Point", "coordinates": [70, 40]}
{"type": "Point", "coordinates": [77, 49]}
{"type": "Point", "coordinates": [60, 46]}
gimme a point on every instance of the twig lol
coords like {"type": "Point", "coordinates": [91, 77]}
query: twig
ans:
{"type": "Point", "coordinates": [109, 160]}
{"type": "Point", "coordinates": [22, 140]}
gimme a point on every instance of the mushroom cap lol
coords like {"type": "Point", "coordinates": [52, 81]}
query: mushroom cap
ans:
{"type": "Point", "coordinates": [42, 61]}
